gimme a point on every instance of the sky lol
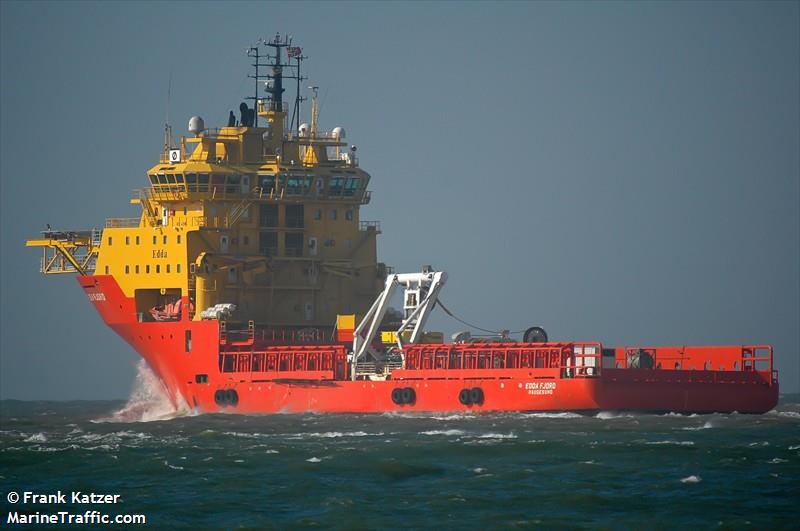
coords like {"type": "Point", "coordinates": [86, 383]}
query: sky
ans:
{"type": "Point", "coordinates": [611, 171]}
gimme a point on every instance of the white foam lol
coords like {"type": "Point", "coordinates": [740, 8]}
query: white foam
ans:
{"type": "Point", "coordinates": [606, 415]}
{"type": "Point", "coordinates": [314, 460]}
{"type": "Point", "coordinates": [706, 426]}
{"type": "Point", "coordinates": [795, 447]}
{"type": "Point", "coordinates": [548, 415]}
{"type": "Point", "coordinates": [776, 461]}
{"type": "Point", "coordinates": [271, 452]}
{"type": "Point", "coordinates": [789, 414]}
{"type": "Point", "coordinates": [479, 470]}
{"type": "Point", "coordinates": [677, 443]}
{"type": "Point", "coordinates": [173, 467]}
{"type": "Point", "coordinates": [692, 479]}
{"type": "Point", "coordinates": [37, 437]}
{"type": "Point", "coordinates": [497, 436]}
{"type": "Point", "coordinates": [149, 400]}
{"type": "Point", "coordinates": [443, 432]}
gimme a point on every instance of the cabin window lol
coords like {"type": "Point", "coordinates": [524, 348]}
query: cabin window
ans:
{"type": "Point", "coordinates": [179, 238]}
{"type": "Point", "coordinates": [294, 216]}
{"type": "Point", "coordinates": [127, 240]}
{"type": "Point", "coordinates": [147, 268]}
{"type": "Point", "coordinates": [185, 211]}
{"type": "Point", "coordinates": [268, 243]}
{"type": "Point", "coordinates": [333, 214]}
{"type": "Point", "coordinates": [137, 240]}
{"type": "Point", "coordinates": [352, 185]}
{"type": "Point", "coordinates": [187, 346]}
{"type": "Point", "coordinates": [127, 269]}
{"type": "Point", "coordinates": [336, 186]}
{"type": "Point", "coordinates": [348, 215]}
{"type": "Point", "coordinates": [155, 240]}
{"type": "Point", "coordinates": [136, 269]}
{"type": "Point", "coordinates": [177, 268]}
{"type": "Point", "coordinates": [268, 215]}
{"type": "Point", "coordinates": [158, 268]}
{"type": "Point", "coordinates": [109, 240]}
{"type": "Point", "coordinates": [106, 270]}
{"type": "Point", "coordinates": [318, 214]}
{"type": "Point", "coordinates": [246, 240]}
{"type": "Point", "coordinates": [266, 183]}
{"type": "Point", "coordinates": [232, 275]}
{"type": "Point", "coordinates": [293, 242]}
{"type": "Point", "coordinates": [167, 268]}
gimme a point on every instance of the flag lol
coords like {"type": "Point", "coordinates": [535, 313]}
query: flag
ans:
{"type": "Point", "coordinates": [294, 51]}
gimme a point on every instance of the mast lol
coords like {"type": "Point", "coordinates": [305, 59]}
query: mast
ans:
{"type": "Point", "coordinates": [273, 85]}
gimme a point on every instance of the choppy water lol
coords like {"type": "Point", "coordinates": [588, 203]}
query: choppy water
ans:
{"type": "Point", "coordinates": [412, 471]}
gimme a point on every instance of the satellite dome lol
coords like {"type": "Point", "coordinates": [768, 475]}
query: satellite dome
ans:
{"type": "Point", "coordinates": [196, 125]}
{"type": "Point", "coordinates": [339, 132]}
{"type": "Point", "coordinates": [303, 129]}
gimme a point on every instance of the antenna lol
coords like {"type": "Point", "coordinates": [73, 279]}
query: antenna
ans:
{"type": "Point", "coordinates": [167, 127]}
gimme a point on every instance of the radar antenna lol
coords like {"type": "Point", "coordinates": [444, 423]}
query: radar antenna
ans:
{"type": "Point", "coordinates": [274, 79]}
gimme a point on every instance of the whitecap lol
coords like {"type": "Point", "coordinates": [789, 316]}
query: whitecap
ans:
{"type": "Point", "coordinates": [173, 467]}
{"type": "Point", "coordinates": [314, 460]}
{"type": "Point", "coordinates": [677, 443]}
{"type": "Point", "coordinates": [706, 426]}
{"type": "Point", "coordinates": [795, 447]}
{"type": "Point", "coordinates": [497, 436]}
{"type": "Point", "coordinates": [443, 432]}
{"type": "Point", "coordinates": [271, 452]}
{"type": "Point", "coordinates": [238, 460]}
{"type": "Point", "coordinates": [479, 470]}
{"type": "Point", "coordinates": [37, 437]}
{"type": "Point", "coordinates": [776, 461]}
{"type": "Point", "coordinates": [692, 479]}
{"type": "Point", "coordinates": [607, 415]}
{"type": "Point", "coordinates": [548, 415]}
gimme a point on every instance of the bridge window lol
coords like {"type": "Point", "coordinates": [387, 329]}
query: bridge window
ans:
{"type": "Point", "coordinates": [170, 178]}
{"type": "Point", "coordinates": [162, 179]}
{"type": "Point", "coordinates": [153, 179]}
{"type": "Point", "coordinates": [293, 242]}
{"type": "Point", "coordinates": [266, 183]}
{"type": "Point", "coordinates": [268, 215]}
{"type": "Point", "coordinates": [336, 186]}
{"type": "Point", "coordinates": [352, 184]}
{"type": "Point", "coordinates": [294, 216]}
{"type": "Point", "coordinates": [268, 243]}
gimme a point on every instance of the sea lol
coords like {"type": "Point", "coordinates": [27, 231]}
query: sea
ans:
{"type": "Point", "coordinates": [608, 470]}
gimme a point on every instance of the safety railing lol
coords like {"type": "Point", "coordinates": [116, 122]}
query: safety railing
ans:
{"type": "Point", "coordinates": [369, 225]}
{"type": "Point", "coordinates": [114, 223]}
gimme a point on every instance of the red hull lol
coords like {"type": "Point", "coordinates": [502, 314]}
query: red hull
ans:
{"type": "Point", "coordinates": [197, 365]}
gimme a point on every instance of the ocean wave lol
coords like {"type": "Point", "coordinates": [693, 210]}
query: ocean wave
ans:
{"type": "Point", "coordinates": [550, 415]}
{"type": "Point", "coordinates": [776, 461]}
{"type": "Point", "coordinates": [606, 415]}
{"type": "Point", "coordinates": [314, 460]}
{"type": "Point", "coordinates": [497, 436]}
{"type": "Point", "coordinates": [37, 437]}
{"type": "Point", "coordinates": [668, 442]}
{"type": "Point", "coordinates": [692, 479]}
{"type": "Point", "coordinates": [448, 433]}
{"type": "Point", "coordinates": [706, 426]}
{"type": "Point", "coordinates": [149, 401]}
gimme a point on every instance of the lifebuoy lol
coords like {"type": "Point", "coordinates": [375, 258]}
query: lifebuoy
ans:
{"type": "Point", "coordinates": [464, 397]}
{"type": "Point", "coordinates": [476, 395]}
{"type": "Point", "coordinates": [397, 395]}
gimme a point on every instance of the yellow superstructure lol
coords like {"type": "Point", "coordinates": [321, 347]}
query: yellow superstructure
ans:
{"type": "Point", "coordinates": [252, 215]}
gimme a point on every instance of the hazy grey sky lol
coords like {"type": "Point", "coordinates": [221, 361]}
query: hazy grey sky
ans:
{"type": "Point", "coordinates": [622, 172]}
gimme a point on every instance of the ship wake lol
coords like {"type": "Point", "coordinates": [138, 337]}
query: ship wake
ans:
{"type": "Point", "coordinates": [149, 400]}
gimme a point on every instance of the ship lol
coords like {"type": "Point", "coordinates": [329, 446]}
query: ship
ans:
{"type": "Point", "coordinates": [249, 283]}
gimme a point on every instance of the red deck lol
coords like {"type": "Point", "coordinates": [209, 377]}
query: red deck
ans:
{"type": "Point", "coordinates": [261, 372]}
